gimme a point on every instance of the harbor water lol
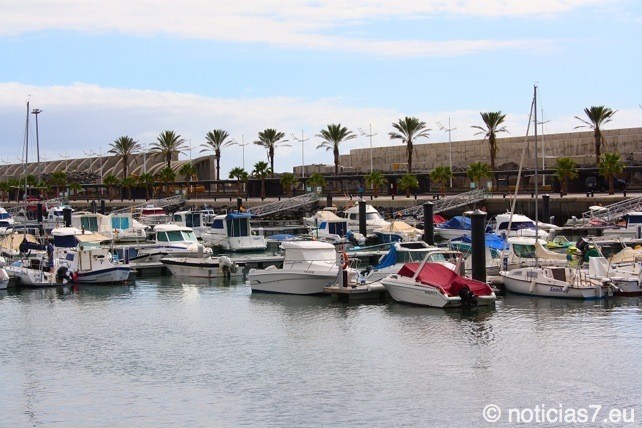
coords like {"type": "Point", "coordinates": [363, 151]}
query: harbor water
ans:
{"type": "Point", "coordinates": [167, 351]}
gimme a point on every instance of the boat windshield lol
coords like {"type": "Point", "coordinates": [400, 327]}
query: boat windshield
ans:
{"type": "Point", "coordinates": [517, 225]}
{"type": "Point", "coordinates": [524, 251]}
{"type": "Point", "coordinates": [410, 256]}
{"type": "Point", "coordinates": [176, 236]}
{"type": "Point", "coordinates": [89, 224]}
{"type": "Point", "coordinates": [4, 215]}
{"type": "Point", "coordinates": [373, 216]}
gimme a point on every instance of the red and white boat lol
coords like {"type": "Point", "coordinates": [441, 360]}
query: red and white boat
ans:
{"type": "Point", "coordinates": [433, 284]}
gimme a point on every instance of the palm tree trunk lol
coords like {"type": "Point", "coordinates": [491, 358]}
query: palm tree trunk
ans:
{"type": "Point", "coordinates": [124, 166]}
{"type": "Point", "coordinates": [611, 185]}
{"type": "Point", "coordinates": [409, 150]}
{"type": "Point", "coordinates": [272, 162]}
{"type": "Point", "coordinates": [598, 140]}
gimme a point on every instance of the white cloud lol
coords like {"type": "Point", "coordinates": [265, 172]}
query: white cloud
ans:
{"type": "Point", "coordinates": [282, 23]}
{"type": "Point", "coordinates": [81, 117]}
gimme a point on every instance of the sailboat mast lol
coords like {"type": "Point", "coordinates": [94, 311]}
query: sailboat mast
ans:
{"type": "Point", "coordinates": [26, 152]}
{"type": "Point", "coordinates": [536, 168]}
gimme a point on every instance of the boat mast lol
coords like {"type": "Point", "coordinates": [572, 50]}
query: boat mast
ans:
{"type": "Point", "coordinates": [26, 153]}
{"type": "Point", "coordinates": [536, 168]}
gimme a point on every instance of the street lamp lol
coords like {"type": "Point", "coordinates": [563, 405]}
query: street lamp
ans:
{"type": "Point", "coordinates": [450, 148]}
{"type": "Point", "coordinates": [65, 157]}
{"type": "Point", "coordinates": [302, 140]}
{"type": "Point", "coordinates": [36, 112]}
{"type": "Point", "coordinates": [369, 135]}
{"type": "Point", "coordinates": [242, 144]}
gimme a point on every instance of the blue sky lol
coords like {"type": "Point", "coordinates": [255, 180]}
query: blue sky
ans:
{"type": "Point", "coordinates": [103, 69]}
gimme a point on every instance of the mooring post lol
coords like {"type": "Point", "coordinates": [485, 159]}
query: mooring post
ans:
{"type": "Point", "coordinates": [429, 226]}
{"type": "Point", "coordinates": [478, 237]}
{"type": "Point", "coordinates": [66, 216]}
{"type": "Point", "coordinates": [102, 206]}
{"type": "Point", "coordinates": [328, 201]}
{"type": "Point", "coordinates": [239, 203]}
{"type": "Point", "coordinates": [362, 217]}
{"type": "Point", "coordinates": [546, 207]}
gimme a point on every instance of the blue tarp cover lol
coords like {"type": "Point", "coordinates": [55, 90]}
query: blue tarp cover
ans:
{"type": "Point", "coordinates": [457, 222]}
{"type": "Point", "coordinates": [389, 259]}
{"type": "Point", "coordinates": [492, 241]}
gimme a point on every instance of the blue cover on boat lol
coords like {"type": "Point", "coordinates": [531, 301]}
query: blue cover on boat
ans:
{"type": "Point", "coordinates": [283, 237]}
{"type": "Point", "coordinates": [237, 214]}
{"type": "Point", "coordinates": [492, 241]}
{"type": "Point", "coordinates": [389, 259]}
{"type": "Point", "coordinates": [457, 222]}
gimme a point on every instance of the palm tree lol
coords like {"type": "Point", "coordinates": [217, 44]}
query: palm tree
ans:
{"type": "Point", "coordinates": [166, 176]}
{"type": "Point", "coordinates": [271, 139]}
{"type": "Point", "coordinates": [408, 182]}
{"type": "Point", "coordinates": [441, 175]}
{"type": "Point", "coordinates": [75, 188]}
{"type": "Point", "coordinates": [128, 183]}
{"type": "Point", "coordinates": [409, 129]}
{"type": "Point", "coordinates": [610, 164]}
{"type": "Point", "coordinates": [492, 121]}
{"type": "Point", "coordinates": [288, 181]}
{"type": "Point", "coordinates": [167, 143]}
{"type": "Point", "coordinates": [261, 171]}
{"type": "Point", "coordinates": [375, 179]}
{"type": "Point", "coordinates": [478, 171]}
{"type": "Point", "coordinates": [188, 171]}
{"type": "Point", "coordinates": [110, 181]}
{"type": "Point", "coordinates": [565, 169]}
{"type": "Point", "coordinates": [147, 181]}
{"type": "Point", "coordinates": [4, 188]}
{"type": "Point", "coordinates": [597, 117]}
{"type": "Point", "coordinates": [124, 147]}
{"type": "Point", "coordinates": [333, 136]}
{"type": "Point", "coordinates": [58, 179]}
{"type": "Point", "coordinates": [317, 180]}
{"type": "Point", "coordinates": [241, 176]}
{"type": "Point", "coordinates": [216, 140]}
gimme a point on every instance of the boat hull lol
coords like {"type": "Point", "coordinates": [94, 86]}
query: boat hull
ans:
{"type": "Point", "coordinates": [405, 291]}
{"type": "Point", "coordinates": [538, 289]}
{"type": "Point", "coordinates": [112, 275]}
{"type": "Point", "coordinates": [200, 268]}
{"type": "Point", "coordinates": [282, 281]}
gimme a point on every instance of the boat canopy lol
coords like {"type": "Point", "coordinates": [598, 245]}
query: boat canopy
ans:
{"type": "Point", "coordinates": [492, 241]}
{"type": "Point", "coordinates": [309, 251]}
{"type": "Point", "coordinates": [438, 275]}
{"type": "Point", "coordinates": [389, 259]}
{"type": "Point", "coordinates": [457, 222]}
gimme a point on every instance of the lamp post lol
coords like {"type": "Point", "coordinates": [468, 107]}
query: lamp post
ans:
{"type": "Point", "coordinates": [36, 112]}
{"type": "Point", "coordinates": [65, 157]}
{"type": "Point", "coordinates": [302, 140]}
{"type": "Point", "coordinates": [369, 135]}
{"type": "Point", "coordinates": [242, 144]}
{"type": "Point", "coordinates": [450, 147]}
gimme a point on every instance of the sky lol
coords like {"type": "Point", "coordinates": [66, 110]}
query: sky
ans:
{"type": "Point", "coordinates": [100, 70]}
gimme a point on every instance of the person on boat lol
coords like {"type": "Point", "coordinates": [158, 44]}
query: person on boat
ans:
{"type": "Point", "coordinates": [50, 255]}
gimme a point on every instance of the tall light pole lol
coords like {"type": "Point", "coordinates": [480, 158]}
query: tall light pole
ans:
{"type": "Point", "coordinates": [65, 157]}
{"type": "Point", "coordinates": [302, 140]}
{"type": "Point", "coordinates": [450, 147]}
{"type": "Point", "coordinates": [369, 135]}
{"type": "Point", "coordinates": [543, 147]}
{"type": "Point", "coordinates": [36, 112]}
{"type": "Point", "coordinates": [242, 144]}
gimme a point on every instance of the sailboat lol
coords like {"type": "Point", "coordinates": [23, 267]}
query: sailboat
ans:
{"type": "Point", "coordinates": [551, 281]}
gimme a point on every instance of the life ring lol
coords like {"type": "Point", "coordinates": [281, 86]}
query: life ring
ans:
{"type": "Point", "coordinates": [344, 260]}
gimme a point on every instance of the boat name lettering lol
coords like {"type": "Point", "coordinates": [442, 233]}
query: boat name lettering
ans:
{"type": "Point", "coordinates": [555, 289]}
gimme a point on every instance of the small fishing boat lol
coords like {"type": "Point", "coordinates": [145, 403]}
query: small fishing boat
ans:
{"type": "Point", "coordinates": [374, 220]}
{"type": "Point", "coordinates": [199, 267]}
{"type": "Point", "coordinates": [308, 267]}
{"type": "Point", "coordinates": [555, 281]}
{"type": "Point", "coordinates": [35, 273]}
{"type": "Point", "coordinates": [233, 232]}
{"type": "Point", "coordinates": [174, 241]}
{"type": "Point", "coordinates": [192, 219]}
{"type": "Point", "coordinates": [436, 285]}
{"type": "Point", "coordinates": [623, 269]}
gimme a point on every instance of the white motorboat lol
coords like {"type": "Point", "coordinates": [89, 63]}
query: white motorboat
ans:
{"type": "Point", "coordinates": [398, 231]}
{"type": "Point", "coordinates": [520, 225]}
{"type": "Point", "coordinates": [630, 227]}
{"type": "Point", "coordinates": [34, 273]}
{"type": "Point", "coordinates": [454, 228]}
{"type": "Point", "coordinates": [210, 267]}
{"type": "Point", "coordinates": [406, 252]}
{"type": "Point", "coordinates": [117, 227]}
{"type": "Point", "coordinates": [174, 241]}
{"type": "Point", "coordinates": [333, 231]}
{"type": "Point", "coordinates": [151, 215]}
{"type": "Point", "coordinates": [233, 232]}
{"type": "Point", "coordinates": [307, 268]}
{"type": "Point", "coordinates": [80, 257]}
{"type": "Point", "coordinates": [554, 281]}
{"type": "Point", "coordinates": [4, 277]}
{"type": "Point", "coordinates": [436, 285]}
{"type": "Point", "coordinates": [192, 219]}
{"type": "Point", "coordinates": [623, 269]}
{"type": "Point", "coordinates": [6, 222]}
{"type": "Point", "coordinates": [374, 220]}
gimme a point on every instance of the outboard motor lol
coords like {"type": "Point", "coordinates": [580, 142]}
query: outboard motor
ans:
{"type": "Point", "coordinates": [467, 297]}
{"type": "Point", "coordinates": [226, 266]}
{"type": "Point", "coordinates": [62, 274]}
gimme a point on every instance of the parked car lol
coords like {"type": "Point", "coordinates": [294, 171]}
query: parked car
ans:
{"type": "Point", "coordinates": [599, 184]}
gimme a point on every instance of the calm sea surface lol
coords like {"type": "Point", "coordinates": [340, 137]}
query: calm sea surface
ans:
{"type": "Point", "coordinates": [168, 352]}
